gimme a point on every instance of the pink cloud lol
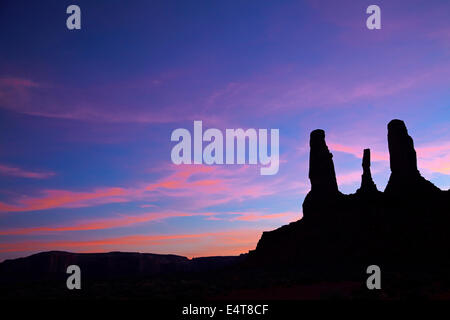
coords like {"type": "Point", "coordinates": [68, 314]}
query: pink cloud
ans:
{"type": "Point", "coordinates": [67, 199]}
{"type": "Point", "coordinates": [197, 186]}
{"type": "Point", "coordinates": [18, 172]}
{"type": "Point", "coordinates": [433, 157]}
{"type": "Point", "coordinates": [127, 220]}
{"type": "Point", "coordinates": [215, 184]}
{"type": "Point", "coordinates": [286, 217]}
{"type": "Point", "coordinates": [18, 83]}
{"type": "Point", "coordinates": [99, 224]}
{"type": "Point", "coordinates": [357, 151]}
{"type": "Point", "coordinates": [349, 178]}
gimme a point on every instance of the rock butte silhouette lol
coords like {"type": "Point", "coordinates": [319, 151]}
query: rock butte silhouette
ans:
{"type": "Point", "coordinates": [404, 230]}
{"type": "Point", "coordinates": [406, 226]}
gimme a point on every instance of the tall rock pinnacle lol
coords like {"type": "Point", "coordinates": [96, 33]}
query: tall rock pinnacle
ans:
{"type": "Point", "coordinates": [405, 178]}
{"type": "Point", "coordinates": [367, 184]}
{"type": "Point", "coordinates": [321, 167]}
{"type": "Point", "coordinates": [403, 157]}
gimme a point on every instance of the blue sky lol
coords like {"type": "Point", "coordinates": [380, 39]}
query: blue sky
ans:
{"type": "Point", "coordinates": [86, 115]}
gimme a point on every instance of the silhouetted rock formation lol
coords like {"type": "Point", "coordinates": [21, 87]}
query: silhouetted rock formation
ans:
{"type": "Point", "coordinates": [405, 178]}
{"type": "Point", "coordinates": [321, 166]}
{"type": "Point", "coordinates": [404, 228]}
{"type": "Point", "coordinates": [324, 188]}
{"type": "Point", "coordinates": [367, 184]}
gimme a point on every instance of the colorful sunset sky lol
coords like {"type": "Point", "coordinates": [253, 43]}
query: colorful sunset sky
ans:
{"type": "Point", "coordinates": [86, 115]}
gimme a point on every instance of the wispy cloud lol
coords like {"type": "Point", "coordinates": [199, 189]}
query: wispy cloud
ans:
{"type": "Point", "coordinates": [18, 172]}
{"type": "Point", "coordinates": [100, 224]}
{"type": "Point", "coordinates": [65, 199]}
{"type": "Point", "coordinates": [434, 157]}
{"type": "Point", "coordinates": [285, 217]}
{"type": "Point", "coordinates": [123, 221]}
{"type": "Point", "coordinates": [18, 83]}
{"type": "Point", "coordinates": [357, 151]}
{"type": "Point", "coordinates": [216, 185]}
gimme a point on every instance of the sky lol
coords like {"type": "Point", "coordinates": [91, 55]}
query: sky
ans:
{"type": "Point", "coordinates": [86, 115]}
